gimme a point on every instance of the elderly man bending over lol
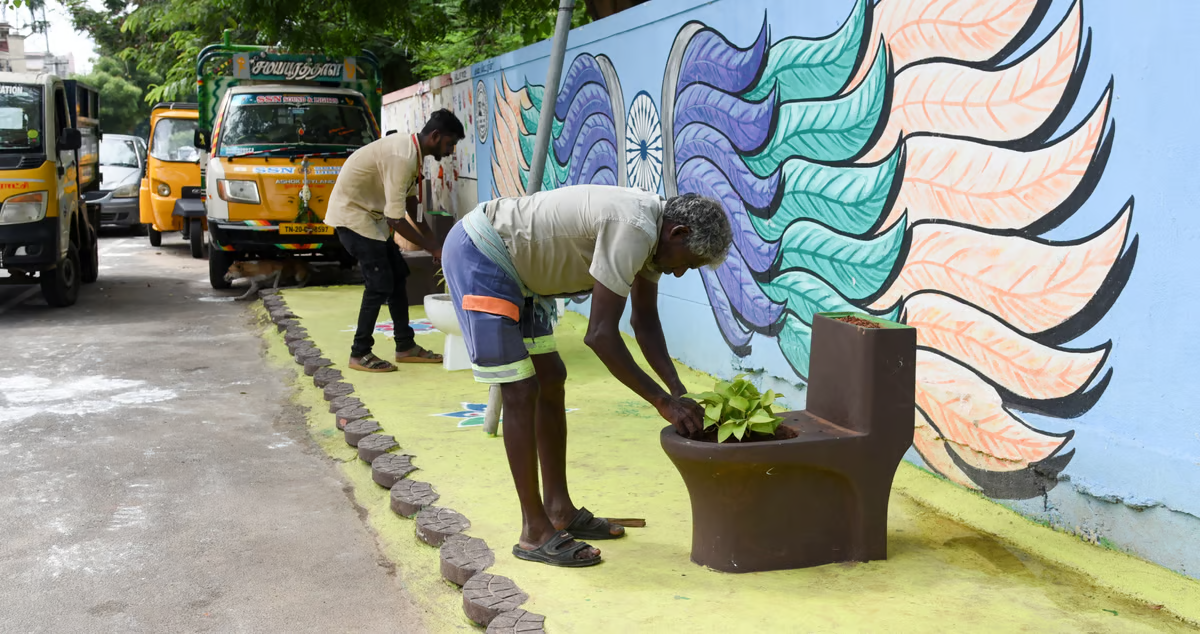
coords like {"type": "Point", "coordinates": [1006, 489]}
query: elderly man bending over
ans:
{"type": "Point", "coordinates": [507, 261]}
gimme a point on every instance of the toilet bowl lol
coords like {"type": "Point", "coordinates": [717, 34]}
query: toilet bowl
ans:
{"type": "Point", "coordinates": [439, 309]}
{"type": "Point", "coordinates": [820, 496]}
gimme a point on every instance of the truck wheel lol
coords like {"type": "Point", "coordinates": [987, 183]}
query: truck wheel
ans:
{"type": "Point", "coordinates": [155, 236]}
{"type": "Point", "coordinates": [218, 265]}
{"type": "Point", "coordinates": [196, 236]}
{"type": "Point", "coordinates": [60, 286]}
{"type": "Point", "coordinates": [89, 264]}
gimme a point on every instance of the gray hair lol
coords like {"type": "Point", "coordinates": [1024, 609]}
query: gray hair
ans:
{"type": "Point", "coordinates": [710, 235]}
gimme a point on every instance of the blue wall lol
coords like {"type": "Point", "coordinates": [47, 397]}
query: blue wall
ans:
{"type": "Point", "coordinates": [973, 183]}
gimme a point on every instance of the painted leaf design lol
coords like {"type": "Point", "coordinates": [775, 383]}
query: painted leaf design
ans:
{"type": "Point", "coordinates": [795, 339]}
{"type": "Point", "coordinates": [833, 130]}
{"type": "Point", "coordinates": [812, 69]}
{"type": "Point", "coordinates": [745, 123]}
{"type": "Point", "coordinates": [736, 335]}
{"type": "Point", "coordinates": [991, 187]}
{"type": "Point", "coordinates": [1032, 285]}
{"type": "Point", "coordinates": [507, 161]}
{"type": "Point", "coordinates": [530, 118]}
{"type": "Point", "coordinates": [1000, 105]}
{"type": "Point", "coordinates": [710, 59]}
{"type": "Point", "coordinates": [699, 176]}
{"type": "Point", "coordinates": [751, 303]}
{"type": "Point", "coordinates": [849, 199]}
{"type": "Point", "coordinates": [969, 412]}
{"type": "Point", "coordinates": [856, 267]}
{"type": "Point", "coordinates": [1000, 353]}
{"type": "Point", "coordinates": [804, 295]}
{"type": "Point", "coordinates": [933, 447]}
{"type": "Point", "coordinates": [591, 100]}
{"type": "Point", "coordinates": [966, 30]}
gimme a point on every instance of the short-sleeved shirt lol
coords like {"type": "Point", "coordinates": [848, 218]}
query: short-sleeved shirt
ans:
{"type": "Point", "coordinates": [565, 240]}
{"type": "Point", "coordinates": [374, 184]}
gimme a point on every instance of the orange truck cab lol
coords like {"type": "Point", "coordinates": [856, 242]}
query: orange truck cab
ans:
{"type": "Point", "coordinates": [275, 130]}
{"type": "Point", "coordinates": [170, 195]}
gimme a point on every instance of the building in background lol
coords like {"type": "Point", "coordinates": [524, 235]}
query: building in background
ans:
{"type": "Point", "coordinates": [12, 49]}
{"type": "Point", "coordinates": [45, 62]}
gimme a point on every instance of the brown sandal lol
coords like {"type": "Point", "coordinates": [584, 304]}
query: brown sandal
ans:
{"type": "Point", "coordinates": [371, 363]}
{"type": "Point", "coordinates": [422, 356]}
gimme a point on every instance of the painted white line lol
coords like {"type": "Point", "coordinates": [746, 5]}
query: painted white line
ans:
{"type": "Point", "coordinates": [18, 299]}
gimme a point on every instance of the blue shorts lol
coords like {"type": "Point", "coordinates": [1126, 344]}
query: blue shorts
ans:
{"type": "Point", "coordinates": [498, 324]}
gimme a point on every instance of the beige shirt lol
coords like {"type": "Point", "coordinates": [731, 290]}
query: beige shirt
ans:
{"type": "Point", "coordinates": [374, 184]}
{"type": "Point", "coordinates": [565, 240]}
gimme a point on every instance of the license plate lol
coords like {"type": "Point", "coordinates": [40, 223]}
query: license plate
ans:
{"type": "Point", "coordinates": [298, 229]}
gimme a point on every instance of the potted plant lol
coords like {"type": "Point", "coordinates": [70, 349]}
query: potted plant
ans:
{"type": "Point", "coordinates": [772, 491]}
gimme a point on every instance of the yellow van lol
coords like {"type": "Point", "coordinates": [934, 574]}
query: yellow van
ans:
{"type": "Point", "coordinates": [170, 193]}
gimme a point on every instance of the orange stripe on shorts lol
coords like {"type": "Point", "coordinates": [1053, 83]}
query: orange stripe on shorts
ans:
{"type": "Point", "coordinates": [492, 306]}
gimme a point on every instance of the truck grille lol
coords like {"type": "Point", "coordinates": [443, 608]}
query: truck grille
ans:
{"type": "Point", "coordinates": [19, 162]}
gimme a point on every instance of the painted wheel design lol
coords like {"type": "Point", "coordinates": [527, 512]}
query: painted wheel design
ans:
{"type": "Point", "coordinates": [644, 144]}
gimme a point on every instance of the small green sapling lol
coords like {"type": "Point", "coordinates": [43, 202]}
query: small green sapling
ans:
{"type": "Point", "coordinates": [738, 407]}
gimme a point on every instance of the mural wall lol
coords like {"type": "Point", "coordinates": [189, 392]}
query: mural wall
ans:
{"type": "Point", "coordinates": [944, 163]}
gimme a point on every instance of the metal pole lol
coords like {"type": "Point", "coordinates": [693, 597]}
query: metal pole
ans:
{"type": "Point", "coordinates": [541, 145]}
{"type": "Point", "coordinates": [558, 50]}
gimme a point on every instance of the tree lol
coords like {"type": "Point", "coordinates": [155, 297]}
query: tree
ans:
{"type": "Point", "coordinates": [121, 106]}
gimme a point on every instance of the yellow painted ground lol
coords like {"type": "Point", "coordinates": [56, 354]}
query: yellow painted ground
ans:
{"type": "Point", "coordinates": [1005, 575]}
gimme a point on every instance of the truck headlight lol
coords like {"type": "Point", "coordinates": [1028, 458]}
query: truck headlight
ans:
{"type": "Point", "coordinates": [23, 208]}
{"type": "Point", "coordinates": [163, 189]}
{"type": "Point", "coordinates": [126, 191]}
{"type": "Point", "coordinates": [238, 191]}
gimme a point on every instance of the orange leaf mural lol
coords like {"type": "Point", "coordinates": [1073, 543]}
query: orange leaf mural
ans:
{"type": "Point", "coordinates": [994, 187]}
{"type": "Point", "coordinates": [1033, 285]}
{"type": "Point", "coordinates": [1026, 368]}
{"type": "Point", "coordinates": [933, 449]}
{"type": "Point", "coordinates": [971, 413]}
{"type": "Point", "coordinates": [996, 105]}
{"type": "Point", "coordinates": [966, 30]}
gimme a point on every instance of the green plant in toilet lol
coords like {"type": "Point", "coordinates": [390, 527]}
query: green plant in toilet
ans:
{"type": "Point", "coordinates": [737, 408]}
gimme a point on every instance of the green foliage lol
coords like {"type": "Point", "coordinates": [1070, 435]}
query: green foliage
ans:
{"type": "Point", "coordinates": [158, 40]}
{"type": "Point", "coordinates": [121, 105]}
{"type": "Point", "coordinates": [738, 407]}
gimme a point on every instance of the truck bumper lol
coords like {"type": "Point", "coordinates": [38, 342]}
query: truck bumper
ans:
{"type": "Point", "coordinates": [261, 238]}
{"type": "Point", "coordinates": [118, 212]}
{"type": "Point", "coordinates": [31, 246]}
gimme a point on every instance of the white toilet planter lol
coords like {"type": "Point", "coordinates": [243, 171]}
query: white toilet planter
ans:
{"type": "Point", "coordinates": [439, 309]}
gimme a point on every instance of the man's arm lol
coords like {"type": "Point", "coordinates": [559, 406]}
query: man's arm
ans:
{"type": "Point", "coordinates": [604, 338]}
{"type": "Point", "coordinates": [648, 329]}
{"type": "Point", "coordinates": [421, 237]}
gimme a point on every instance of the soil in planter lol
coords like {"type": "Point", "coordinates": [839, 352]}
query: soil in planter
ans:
{"type": "Point", "coordinates": [782, 432]}
{"type": "Point", "coordinates": [858, 321]}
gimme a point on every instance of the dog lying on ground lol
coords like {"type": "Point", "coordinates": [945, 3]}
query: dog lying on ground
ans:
{"type": "Point", "coordinates": [261, 271]}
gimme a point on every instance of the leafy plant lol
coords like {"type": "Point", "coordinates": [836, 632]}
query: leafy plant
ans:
{"type": "Point", "coordinates": [439, 279]}
{"type": "Point", "coordinates": [738, 407]}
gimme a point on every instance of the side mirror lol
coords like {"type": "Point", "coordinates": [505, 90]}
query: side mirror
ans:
{"type": "Point", "coordinates": [200, 140]}
{"type": "Point", "coordinates": [69, 139]}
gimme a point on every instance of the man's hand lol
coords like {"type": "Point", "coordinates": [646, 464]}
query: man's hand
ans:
{"type": "Point", "coordinates": [677, 389]}
{"type": "Point", "coordinates": [685, 414]}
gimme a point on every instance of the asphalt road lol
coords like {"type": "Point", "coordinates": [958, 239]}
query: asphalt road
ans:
{"type": "Point", "coordinates": [156, 478]}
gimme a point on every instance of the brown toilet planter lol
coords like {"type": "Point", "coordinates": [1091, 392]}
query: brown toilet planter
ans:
{"type": "Point", "coordinates": [821, 496]}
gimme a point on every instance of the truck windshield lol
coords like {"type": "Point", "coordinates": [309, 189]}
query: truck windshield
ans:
{"type": "Point", "coordinates": [172, 141]}
{"type": "Point", "coordinates": [20, 118]}
{"type": "Point", "coordinates": [256, 122]}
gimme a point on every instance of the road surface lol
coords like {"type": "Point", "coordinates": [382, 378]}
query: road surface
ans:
{"type": "Point", "coordinates": [157, 478]}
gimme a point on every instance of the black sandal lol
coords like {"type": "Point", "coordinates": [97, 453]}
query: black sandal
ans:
{"type": "Point", "coordinates": [371, 363]}
{"type": "Point", "coordinates": [588, 526]}
{"type": "Point", "coordinates": [552, 553]}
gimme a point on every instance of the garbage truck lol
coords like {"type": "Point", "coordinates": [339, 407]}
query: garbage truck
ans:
{"type": "Point", "coordinates": [49, 164]}
{"type": "Point", "coordinates": [275, 129]}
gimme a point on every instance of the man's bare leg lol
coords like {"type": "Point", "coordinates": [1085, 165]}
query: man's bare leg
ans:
{"type": "Point", "coordinates": [521, 445]}
{"type": "Point", "coordinates": [551, 420]}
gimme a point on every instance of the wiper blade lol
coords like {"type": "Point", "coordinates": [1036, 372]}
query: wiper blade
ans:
{"type": "Point", "coordinates": [267, 151]}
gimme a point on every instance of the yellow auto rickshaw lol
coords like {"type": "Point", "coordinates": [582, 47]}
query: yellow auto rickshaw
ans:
{"type": "Point", "coordinates": [170, 194]}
